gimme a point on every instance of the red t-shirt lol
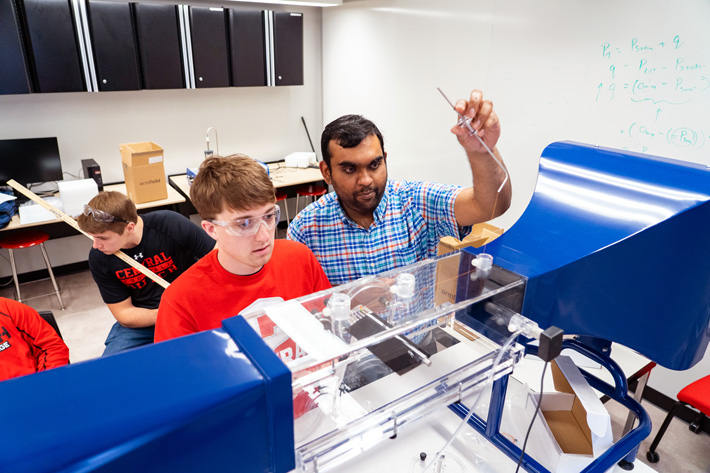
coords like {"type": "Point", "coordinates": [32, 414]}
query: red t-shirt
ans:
{"type": "Point", "coordinates": [27, 342]}
{"type": "Point", "coordinates": [206, 294]}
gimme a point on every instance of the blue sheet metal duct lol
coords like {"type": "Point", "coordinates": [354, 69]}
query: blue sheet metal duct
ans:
{"type": "Point", "coordinates": [214, 401]}
{"type": "Point", "coordinates": [616, 245]}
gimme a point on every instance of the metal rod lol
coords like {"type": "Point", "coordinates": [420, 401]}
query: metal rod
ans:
{"type": "Point", "coordinates": [308, 134]}
{"type": "Point", "coordinates": [465, 122]}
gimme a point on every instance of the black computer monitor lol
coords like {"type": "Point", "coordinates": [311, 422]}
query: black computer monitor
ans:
{"type": "Point", "coordinates": [30, 160]}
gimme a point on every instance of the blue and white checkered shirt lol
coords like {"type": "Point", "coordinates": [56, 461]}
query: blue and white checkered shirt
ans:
{"type": "Point", "coordinates": [409, 221]}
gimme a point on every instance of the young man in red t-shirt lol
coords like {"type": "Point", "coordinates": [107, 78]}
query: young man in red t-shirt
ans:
{"type": "Point", "coordinates": [236, 200]}
{"type": "Point", "coordinates": [28, 343]}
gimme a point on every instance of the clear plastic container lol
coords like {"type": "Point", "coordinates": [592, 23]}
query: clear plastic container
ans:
{"type": "Point", "coordinates": [384, 351]}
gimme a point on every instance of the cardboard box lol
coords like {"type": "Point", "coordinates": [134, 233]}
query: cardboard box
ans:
{"type": "Point", "coordinates": [144, 171]}
{"type": "Point", "coordinates": [576, 422]}
{"type": "Point", "coordinates": [481, 233]}
{"type": "Point", "coordinates": [447, 269]}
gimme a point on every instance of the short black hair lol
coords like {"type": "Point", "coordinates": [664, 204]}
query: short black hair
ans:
{"type": "Point", "coordinates": [348, 131]}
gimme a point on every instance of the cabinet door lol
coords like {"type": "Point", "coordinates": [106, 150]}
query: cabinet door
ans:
{"type": "Point", "coordinates": [14, 78]}
{"type": "Point", "coordinates": [53, 46]}
{"type": "Point", "coordinates": [210, 56]}
{"type": "Point", "coordinates": [246, 36]}
{"type": "Point", "coordinates": [113, 46]}
{"type": "Point", "coordinates": [158, 29]}
{"type": "Point", "coordinates": [288, 48]}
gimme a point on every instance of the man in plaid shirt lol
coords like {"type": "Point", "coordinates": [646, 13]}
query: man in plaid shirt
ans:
{"type": "Point", "coordinates": [371, 224]}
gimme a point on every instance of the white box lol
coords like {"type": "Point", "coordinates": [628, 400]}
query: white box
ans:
{"type": "Point", "coordinates": [33, 213]}
{"type": "Point", "coordinates": [577, 425]}
{"type": "Point", "coordinates": [300, 159]}
{"type": "Point", "coordinates": [75, 194]}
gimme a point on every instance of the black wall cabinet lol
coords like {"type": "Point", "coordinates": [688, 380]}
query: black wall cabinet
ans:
{"type": "Point", "coordinates": [113, 44]}
{"type": "Point", "coordinates": [246, 34]}
{"type": "Point", "coordinates": [158, 30]}
{"type": "Point", "coordinates": [288, 48]}
{"type": "Point", "coordinates": [14, 77]}
{"type": "Point", "coordinates": [210, 55]}
{"type": "Point", "coordinates": [140, 45]}
{"type": "Point", "coordinates": [53, 46]}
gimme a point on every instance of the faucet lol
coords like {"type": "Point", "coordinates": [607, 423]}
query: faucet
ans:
{"type": "Point", "coordinates": [208, 152]}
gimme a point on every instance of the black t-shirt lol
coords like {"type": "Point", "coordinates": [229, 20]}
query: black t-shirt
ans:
{"type": "Point", "coordinates": [170, 244]}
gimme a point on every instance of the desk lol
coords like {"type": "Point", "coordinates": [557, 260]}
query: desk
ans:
{"type": "Point", "coordinates": [280, 176]}
{"type": "Point", "coordinates": [174, 198]}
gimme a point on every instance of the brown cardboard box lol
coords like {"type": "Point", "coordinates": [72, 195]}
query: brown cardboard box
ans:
{"type": "Point", "coordinates": [144, 171]}
{"type": "Point", "coordinates": [578, 426]}
{"type": "Point", "coordinates": [447, 269]}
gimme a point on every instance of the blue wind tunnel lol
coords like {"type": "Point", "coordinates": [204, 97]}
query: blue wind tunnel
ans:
{"type": "Point", "coordinates": [616, 245]}
{"type": "Point", "coordinates": [218, 400]}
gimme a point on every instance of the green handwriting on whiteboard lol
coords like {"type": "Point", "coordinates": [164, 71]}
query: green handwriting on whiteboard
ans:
{"type": "Point", "coordinates": [659, 73]}
{"type": "Point", "coordinates": [656, 82]}
{"type": "Point", "coordinates": [681, 137]}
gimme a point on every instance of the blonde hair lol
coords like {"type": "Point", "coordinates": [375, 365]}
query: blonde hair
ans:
{"type": "Point", "coordinates": [113, 203]}
{"type": "Point", "coordinates": [235, 182]}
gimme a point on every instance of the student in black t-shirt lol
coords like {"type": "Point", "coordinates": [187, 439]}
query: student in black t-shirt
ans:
{"type": "Point", "coordinates": [163, 241]}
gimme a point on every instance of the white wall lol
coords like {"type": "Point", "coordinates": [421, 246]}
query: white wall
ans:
{"type": "Point", "coordinates": [541, 63]}
{"type": "Point", "coordinates": [263, 122]}
{"type": "Point", "coordinates": [384, 59]}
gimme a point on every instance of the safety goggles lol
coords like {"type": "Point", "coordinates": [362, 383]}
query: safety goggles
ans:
{"type": "Point", "coordinates": [100, 215]}
{"type": "Point", "coordinates": [249, 226]}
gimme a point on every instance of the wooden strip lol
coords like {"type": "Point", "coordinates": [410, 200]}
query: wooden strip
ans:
{"type": "Point", "coordinates": [72, 222]}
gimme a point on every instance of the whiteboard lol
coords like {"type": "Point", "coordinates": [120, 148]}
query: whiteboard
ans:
{"type": "Point", "coordinates": [626, 74]}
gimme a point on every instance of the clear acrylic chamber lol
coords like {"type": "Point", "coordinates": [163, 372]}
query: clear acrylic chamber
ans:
{"type": "Point", "coordinates": [372, 357]}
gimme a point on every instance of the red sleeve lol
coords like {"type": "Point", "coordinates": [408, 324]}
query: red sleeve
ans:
{"type": "Point", "coordinates": [173, 318]}
{"type": "Point", "coordinates": [46, 346]}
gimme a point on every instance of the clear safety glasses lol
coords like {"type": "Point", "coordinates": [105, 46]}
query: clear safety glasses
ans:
{"type": "Point", "coordinates": [249, 226]}
{"type": "Point", "coordinates": [100, 215]}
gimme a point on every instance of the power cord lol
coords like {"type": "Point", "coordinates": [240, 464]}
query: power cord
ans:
{"type": "Point", "coordinates": [75, 176]}
{"type": "Point", "coordinates": [11, 278]}
{"type": "Point", "coordinates": [46, 192]}
{"type": "Point", "coordinates": [489, 380]}
{"type": "Point", "coordinates": [537, 409]}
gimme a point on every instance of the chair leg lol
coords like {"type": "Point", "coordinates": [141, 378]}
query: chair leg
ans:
{"type": "Point", "coordinates": [296, 204]}
{"type": "Point", "coordinates": [661, 431]}
{"type": "Point", "coordinates": [14, 274]}
{"type": "Point", "coordinates": [697, 425]}
{"type": "Point", "coordinates": [51, 275]}
{"type": "Point", "coordinates": [288, 219]}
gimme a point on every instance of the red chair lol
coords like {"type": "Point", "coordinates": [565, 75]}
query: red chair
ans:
{"type": "Point", "coordinates": [28, 239]}
{"type": "Point", "coordinates": [309, 190]}
{"type": "Point", "coordinates": [695, 395]}
{"type": "Point", "coordinates": [281, 195]}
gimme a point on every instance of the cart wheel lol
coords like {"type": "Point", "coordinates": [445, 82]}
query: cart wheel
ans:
{"type": "Point", "coordinates": [695, 427]}
{"type": "Point", "coordinates": [652, 457]}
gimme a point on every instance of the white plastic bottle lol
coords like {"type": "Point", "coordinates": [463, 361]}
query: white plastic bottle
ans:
{"type": "Point", "coordinates": [339, 305]}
